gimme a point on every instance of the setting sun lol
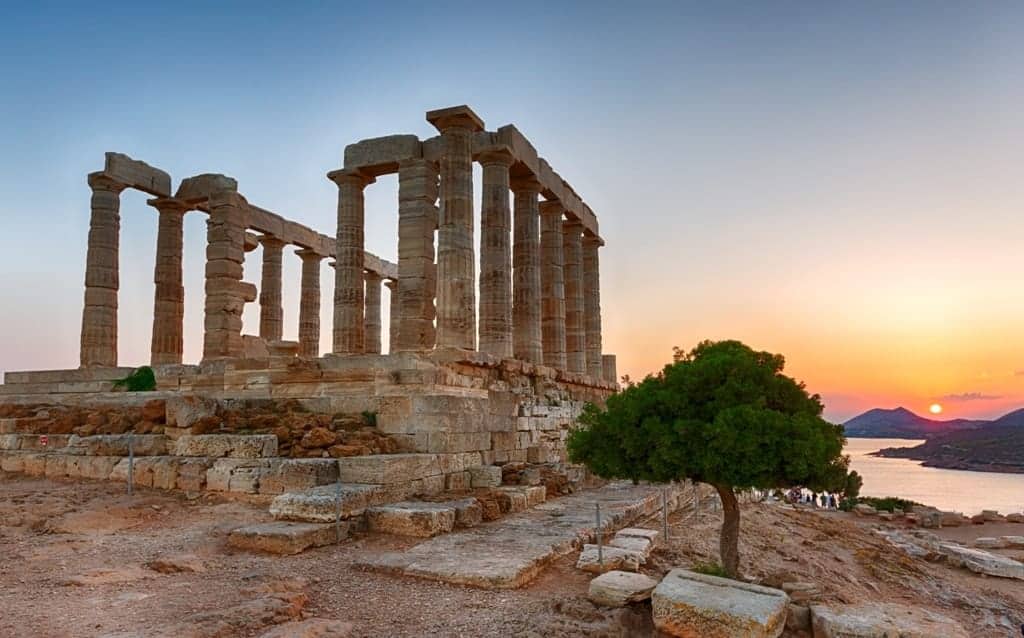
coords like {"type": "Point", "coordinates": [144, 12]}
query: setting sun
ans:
{"type": "Point", "coordinates": [935, 408]}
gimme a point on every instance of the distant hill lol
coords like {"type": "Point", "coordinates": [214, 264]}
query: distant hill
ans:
{"type": "Point", "coordinates": [901, 423]}
{"type": "Point", "coordinates": [997, 446]}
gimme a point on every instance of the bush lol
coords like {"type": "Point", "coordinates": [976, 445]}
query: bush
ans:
{"type": "Point", "coordinates": [888, 503]}
{"type": "Point", "coordinates": [140, 380]}
{"type": "Point", "coordinates": [709, 568]}
{"type": "Point", "coordinates": [847, 504]}
{"type": "Point", "coordinates": [370, 418]}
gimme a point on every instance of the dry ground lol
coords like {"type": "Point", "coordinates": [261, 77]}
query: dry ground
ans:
{"type": "Point", "coordinates": [54, 533]}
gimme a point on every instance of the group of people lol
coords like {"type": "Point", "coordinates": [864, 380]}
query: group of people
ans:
{"type": "Point", "coordinates": [823, 500]}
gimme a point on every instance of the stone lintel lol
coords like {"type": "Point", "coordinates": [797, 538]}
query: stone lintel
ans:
{"type": "Point", "coordinates": [137, 174]}
{"type": "Point", "coordinates": [199, 188]}
{"type": "Point", "coordinates": [381, 155]}
{"type": "Point", "coordinates": [496, 155]}
{"type": "Point", "coordinates": [461, 116]}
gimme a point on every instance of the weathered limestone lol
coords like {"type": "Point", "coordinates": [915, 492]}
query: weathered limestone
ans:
{"type": "Point", "coordinates": [496, 255]}
{"type": "Point", "coordinates": [169, 298]}
{"type": "Point", "coordinates": [383, 469]}
{"type": "Point", "coordinates": [286, 538]}
{"type": "Point", "coordinates": [99, 315]}
{"type": "Point", "coordinates": [348, 279]}
{"type": "Point", "coordinates": [688, 604]}
{"type": "Point", "coordinates": [592, 304]}
{"type": "Point", "coordinates": [226, 293]}
{"type": "Point", "coordinates": [417, 272]}
{"type": "Point", "coordinates": [456, 297]}
{"type": "Point", "coordinates": [526, 273]}
{"type": "Point", "coordinates": [241, 446]}
{"type": "Point", "coordinates": [325, 503]}
{"type": "Point", "coordinates": [575, 330]}
{"type": "Point", "coordinates": [609, 559]}
{"type": "Point", "coordinates": [609, 368]}
{"type": "Point", "coordinates": [309, 303]}
{"type": "Point", "coordinates": [371, 320]}
{"type": "Point", "coordinates": [552, 285]}
{"type": "Point", "coordinates": [271, 312]}
{"type": "Point", "coordinates": [412, 519]}
{"type": "Point", "coordinates": [618, 589]}
{"type": "Point", "coordinates": [882, 619]}
{"type": "Point", "coordinates": [132, 173]}
{"type": "Point", "coordinates": [981, 562]}
{"type": "Point", "coordinates": [394, 318]}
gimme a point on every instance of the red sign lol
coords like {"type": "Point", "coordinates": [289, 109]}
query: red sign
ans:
{"type": "Point", "coordinates": [44, 440]}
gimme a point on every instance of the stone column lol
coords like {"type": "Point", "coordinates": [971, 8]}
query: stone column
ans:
{"type": "Point", "coordinates": [608, 367]}
{"type": "Point", "coordinates": [526, 304]}
{"type": "Point", "coordinates": [271, 312]}
{"type": "Point", "coordinates": [226, 293]}
{"type": "Point", "coordinates": [575, 333]}
{"type": "Point", "coordinates": [456, 294]}
{"type": "Point", "coordinates": [592, 304]}
{"type": "Point", "coordinates": [417, 272]}
{"type": "Point", "coordinates": [349, 250]}
{"type": "Point", "coordinates": [496, 255]}
{"type": "Point", "coordinates": [372, 316]}
{"type": "Point", "coordinates": [309, 304]}
{"type": "Point", "coordinates": [394, 316]}
{"type": "Point", "coordinates": [99, 312]}
{"type": "Point", "coordinates": [169, 299]}
{"type": "Point", "coordinates": [552, 282]}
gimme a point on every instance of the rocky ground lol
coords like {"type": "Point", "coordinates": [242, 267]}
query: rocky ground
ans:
{"type": "Point", "coordinates": [82, 559]}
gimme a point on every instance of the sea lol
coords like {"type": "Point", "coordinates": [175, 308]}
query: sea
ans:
{"type": "Point", "coordinates": [953, 490]}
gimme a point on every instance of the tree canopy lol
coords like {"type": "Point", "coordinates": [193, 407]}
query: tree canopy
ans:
{"type": "Point", "coordinates": [722, 414]}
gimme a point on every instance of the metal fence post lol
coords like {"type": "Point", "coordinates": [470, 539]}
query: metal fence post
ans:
{"type": "Point", "coordinates": [131, 463]}
{"type": "Point", "coordinates": [600, 551]}
{"type": "Point", "coordinates": [337, 515]}
{"type": "Point", "coordinates": [664, 512]}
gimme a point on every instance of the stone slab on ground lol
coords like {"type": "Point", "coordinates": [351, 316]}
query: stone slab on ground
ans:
{"type": "Point", "coordinates": [609, 559]}
{"type": "Point", "coordinates": [653, 536]}
{"type": "Point", "coordinates": [323, 504]}
{"type": "Point", "coordinates": [617, 588]}
{"type": "Point", "coordinates": [982, 562]}
{"type": "Point", "coordinates": [412, 519]}
{"type": "Point", "coordinates": [281, 537]}
{"type": "Point", "coordinates": [881, 620]}
{"type": "Point", "coordinates": [688, 604]}
{"type": "Point", "coordinates": [511, 552]}
{"type": "Point", "coordinates": [641, 545]}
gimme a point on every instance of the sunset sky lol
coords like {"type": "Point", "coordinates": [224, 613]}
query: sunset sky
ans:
{"type": "Point", "coordinates": [842, 184]}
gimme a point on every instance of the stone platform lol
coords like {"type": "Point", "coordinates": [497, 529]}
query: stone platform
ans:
{"type": "Point", "coordinates": [510, 553]}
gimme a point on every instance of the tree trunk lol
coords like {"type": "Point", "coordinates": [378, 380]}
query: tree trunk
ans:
{"type": "Point", "coordinates": [729, 542]}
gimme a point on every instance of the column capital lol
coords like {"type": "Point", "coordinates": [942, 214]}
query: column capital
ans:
{"type": "Point", "coordinates": [351, 177]}
{"type": "Point", "coordinates": [271, 241]}
{"type": "Point", "coordinates": [551, 207]}
{"type": "Point", "coordinates": [169, 205]}
{"type": "Point", "coordinates": [99, 181]}
{"type": "Point", "coordinates": [369, 275]}
{"type": "Point", "coordinates": [592, 240]}
{"type": "Point", "coordinates": [526, 183]}
{"type": "Point", "coordinates": [308, 254]}
{"type": "Point", "coordinates": [391, 284]}
{"type": "Point", "coordinates": [455, 117]}
{"type": "Point", "coordinates": [572, 224]}
{"type": "Point", "coordinates": [496, 155]}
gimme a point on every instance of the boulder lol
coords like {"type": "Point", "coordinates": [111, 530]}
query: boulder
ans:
{"type": "Point", "coordinates": [882, 620]}
{"type": "Point", "coordinates": [422, 520]}
{"type": "Point", "coordinates": [612, 558]}
{"type": "Point", "coordinates": [863, 509]}
{"type": "Point", "coordinates": [982, 562]}
{"type": "Point", "coordinates": [689, 604]}
{"type": "Point", "coordinates": [286, 538]}
{"type": "Point", "coordinates": [618, 589]}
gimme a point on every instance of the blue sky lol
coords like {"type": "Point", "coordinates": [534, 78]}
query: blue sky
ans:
{"type": "Point", "coordinates": [837, 182]}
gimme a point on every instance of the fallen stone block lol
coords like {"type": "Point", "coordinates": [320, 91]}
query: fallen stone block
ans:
{"type": "Point", "coordinates": [484, 476]}
{"type": "Point", "coordinates": [511, 499]}
{"type": "Point", "coordinates": [238, 446]}
{"type": "Point", "coordinates": [981, 562]}
{"type": "Point", "coordinates": [653, 536]}
{"type": "Point", "coordinates": [323, 504]}
{"type": "Point", "coordinates": [632, 543]}
{"type": "Point", "coordinates": [882, 619]}
{"type": "Point", "coordinates": [988, 542]}
{"type": "Point", "coordinates": [612, 558]}
{"type": "Point", "coordinates": [287, 538]}
{"type": "Point", "coordinates": [991, 516]}
{"type": "Point", "coordinates": [382, 469]}
{"type": "Point", "coordinates": [689, 604]}
{"type": "Point", "coordinates": [618, 589]}
{"type": "Point", "coordinates": [1016, 517]}
{"type": "Point", "coordinates": [412, 519]}
{"type": "Point", "coordinates": [468, 512]}
{"type": "Point", "coordinates": [1012, 542]}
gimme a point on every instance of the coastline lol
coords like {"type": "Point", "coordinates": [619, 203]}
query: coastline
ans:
{"type": "Point", "coordinates": [946, 461]}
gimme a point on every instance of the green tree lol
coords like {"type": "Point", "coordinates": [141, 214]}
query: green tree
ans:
{"type": "Point", "coordinates": [721, 414]}
{"type": "Point", "coordinates": [140, 380]}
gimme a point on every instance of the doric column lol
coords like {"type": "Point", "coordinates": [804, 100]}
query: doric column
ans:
{"type": "Point", "coordinates": [372, 316]}
{"type": "Point", "coordinates": [608, 367]}
{"type": "Point", "coordinates": [456, 261]}
{"type": "Point", "coordinates": [552, 283]}
{"type": "Point", "coordinates": [526, 303]}
{"type": "Point", "coordinates": [575, 333]}
{"type": "Point", "coordinates": [592, 304]}
{"type": "Point", "coordinates": [169, 299]}
{"type": "Point", "coordinates": [226, 293]}
{"type": "Point", "coordinates": [349, 250]}
{"type": "Point", "coordinates": [496, 255]}
{"type": "Point", "coordinates": [309, 303]}
{"type": "Point", "coordinates": [393, 315]}
{"type": "Point", "coordinates": [271, 312]}
{"type": "Point", "coordinates": [417, 272]}
{"type": "Point", "coordinates": [99, 313]}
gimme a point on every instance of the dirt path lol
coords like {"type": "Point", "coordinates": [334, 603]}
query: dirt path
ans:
{"type": "Point", "coordinates": [52, 534]}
